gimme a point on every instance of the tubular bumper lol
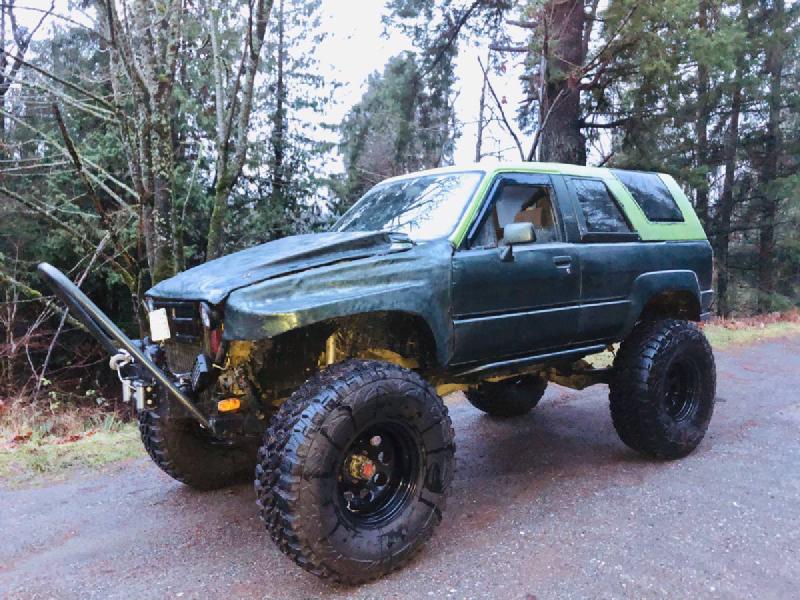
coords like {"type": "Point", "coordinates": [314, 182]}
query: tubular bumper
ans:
{"type": "Point", "coordinates": [110, 336]}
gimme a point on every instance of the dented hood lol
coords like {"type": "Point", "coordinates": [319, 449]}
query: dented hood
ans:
{"type": "Point", "coordinates": [214, 280]}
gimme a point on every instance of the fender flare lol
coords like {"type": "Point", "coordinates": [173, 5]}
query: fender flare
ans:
{"type": "Point", "coordinates": [648, 285]}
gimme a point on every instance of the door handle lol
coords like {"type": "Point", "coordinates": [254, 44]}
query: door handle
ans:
{"type": "Point", "coordinates": [563, 263]}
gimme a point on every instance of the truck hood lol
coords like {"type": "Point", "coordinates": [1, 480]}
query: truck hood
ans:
{"type": "Point", "coordinates": [214, 280]}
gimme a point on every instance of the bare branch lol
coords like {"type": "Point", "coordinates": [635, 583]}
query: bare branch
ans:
{"type": "Point", "coordinates": [610, 40]}
{"type": "Point", "coordinates": [451, 36]}
{"type": "Point", "coordinates": [98, 205]}
{"type": "Point", "coordinates": [64, 82]}
{"type": "Point", "coordinates": [523, 24]}
{"type": "Point", "coordinates": [46, 138]}
{"type": "Point", "coordinates": [605, 160]}
{"type": "Point", "coordinates": [35, 294]}
{"type": "Point", "coordinates": [49, 12]}
{"type": "Point", "coordinates": [78, 236]}
{"type": "Point", "coordinates": [64, 316]}
{"type": "Point", "coordinates": [505, 48]}
{"type": "Point", "coordinates": [500, 108]}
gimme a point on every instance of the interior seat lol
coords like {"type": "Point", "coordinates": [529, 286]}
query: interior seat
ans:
{"type": "Point", "coordinates": [538, 211]}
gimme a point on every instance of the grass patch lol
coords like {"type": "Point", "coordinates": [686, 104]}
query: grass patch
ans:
{"type": "Point", "coordinates": [723, 336]}
{"type": "Point", "coordinates": [45, 459]}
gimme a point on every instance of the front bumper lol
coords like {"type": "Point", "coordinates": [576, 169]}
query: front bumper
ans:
{"type": "Point", "coordinates": [141, 370]}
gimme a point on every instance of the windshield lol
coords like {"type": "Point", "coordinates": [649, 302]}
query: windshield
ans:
{"type": "Point", "coordinates": [425, 208]}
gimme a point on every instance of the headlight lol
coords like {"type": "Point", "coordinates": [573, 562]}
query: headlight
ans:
{"type": "Point", "coordinates": [205, 315]}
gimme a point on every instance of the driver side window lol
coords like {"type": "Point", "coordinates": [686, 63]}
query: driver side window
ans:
{"type": "Point", "coordinates": [515, 202]}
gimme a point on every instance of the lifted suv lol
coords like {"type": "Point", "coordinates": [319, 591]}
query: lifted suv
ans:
{"type": "Point", "coordinates": [319, 360]}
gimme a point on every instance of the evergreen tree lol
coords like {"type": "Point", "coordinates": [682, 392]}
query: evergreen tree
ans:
{"type": "Point", "coordinates": [404, 122]}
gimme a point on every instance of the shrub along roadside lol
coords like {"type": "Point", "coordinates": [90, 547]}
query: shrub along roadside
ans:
{"type": "Point", "coordinates": [723, 333]}
{"type": "Point", "coordinates": [44, 459]}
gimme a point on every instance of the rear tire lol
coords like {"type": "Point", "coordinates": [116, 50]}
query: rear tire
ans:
{"type": "Point", "coordinates": [188, 454]}
{"type": "Point", "coordinates": [354, 470]}
{"type": "Point", "coordinates": [510, 398]}
{"type": "Point", "coordinates": [663, 388]}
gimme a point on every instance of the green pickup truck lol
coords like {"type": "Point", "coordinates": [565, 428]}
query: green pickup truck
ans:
{"type": "Point", "coordinates": [319, 361]}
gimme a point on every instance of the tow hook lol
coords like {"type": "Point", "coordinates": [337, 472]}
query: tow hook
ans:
{"type": "Point", "coordinates": [140, 391]}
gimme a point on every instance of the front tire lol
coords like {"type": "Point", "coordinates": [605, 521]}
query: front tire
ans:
{"type": "Point", "coordinates": [188, 454]}
{"type": "Point", "coordinates": [663, 388]}
{"type": "Point", "coordinates": [354, 470]}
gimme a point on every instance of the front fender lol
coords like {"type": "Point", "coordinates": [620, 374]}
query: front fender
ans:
{"type": "Point", "coordinates": [416, 282]}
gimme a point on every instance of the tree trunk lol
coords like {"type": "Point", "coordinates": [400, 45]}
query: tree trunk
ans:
{"type": "Point", "coordinates": [144, 43]}
{"type": "Point", "coordinates": [163, 256]}
{"type": "Point", "coordinates": [482, 109]}
{"type": "Point", "coordinates": [562, 139]}
{"type": "Point", "coordinates": [772, 156]}
{"type": "Point", "coordinates": [726, 201]}
{"type": "Point", "coordinates": [701, 158]}
{"type": "Point", "coordinates": [3, 85]}
{"type": "Point", "coordinates": [278, 138]}
{"type": "Point", "coordinates": [229, 168]}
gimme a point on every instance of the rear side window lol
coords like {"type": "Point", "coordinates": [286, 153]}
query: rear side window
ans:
{"type": "Point", "coordinates": [651, 195]}
{"type": "Point", "coordinates": [600, 211]}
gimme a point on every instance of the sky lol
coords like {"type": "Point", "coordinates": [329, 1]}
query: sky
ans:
{"type": "Point", "coordinates": [356, 46]}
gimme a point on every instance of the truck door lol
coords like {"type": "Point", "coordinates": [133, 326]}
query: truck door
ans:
{"type": "Point", "coordinates": [522, 302]}
{"type": "Point", "coordinates": [611, 258]}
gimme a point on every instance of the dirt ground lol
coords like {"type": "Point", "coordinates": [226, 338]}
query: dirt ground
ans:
{"type": "Point", "coordinates": [547, 506]}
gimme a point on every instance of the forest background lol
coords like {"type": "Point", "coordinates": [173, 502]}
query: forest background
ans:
{"type": "Point", "coordinates": [139, 137]}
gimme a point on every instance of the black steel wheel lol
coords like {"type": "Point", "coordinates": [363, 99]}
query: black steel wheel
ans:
{"type": "Point", "coordinates": [510, 398]}
{"type": "Point", "coordinates": [354, 470]}
{"type": "Point", "coordinates": [663, 388]}
{"type": "Point", "coordinates": [378, 474]}
{"type": "Point", "coordinates": [682, 393]}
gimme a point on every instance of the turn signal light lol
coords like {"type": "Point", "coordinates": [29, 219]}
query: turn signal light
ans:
{"type": "Point", "coordinates": [229, 405]}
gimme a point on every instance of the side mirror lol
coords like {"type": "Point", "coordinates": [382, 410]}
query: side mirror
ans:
{"type": "Point", "coordinates": [519, 233]}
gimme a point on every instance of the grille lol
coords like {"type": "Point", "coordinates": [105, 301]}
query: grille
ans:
{"type": "Point", "coordinates": [181, 355]}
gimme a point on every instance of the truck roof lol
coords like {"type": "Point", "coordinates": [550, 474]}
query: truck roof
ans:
{"type": "Point", "coordinates": [525, 167]}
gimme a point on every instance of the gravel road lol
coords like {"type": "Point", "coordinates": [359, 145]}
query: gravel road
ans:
{"type": "Point", "coordinates": [547, 506]}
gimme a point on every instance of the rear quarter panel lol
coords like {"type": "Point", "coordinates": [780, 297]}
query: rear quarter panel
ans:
{"type": "Point", "coordinates": [618, 280]}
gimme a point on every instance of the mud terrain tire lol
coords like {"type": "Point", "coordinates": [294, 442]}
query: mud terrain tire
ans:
{"type": "Point", "coordinates": [663, 388]}
{"type": "Point", "coordinates": [184, 452]}
{"type": "Point", "coordinates": [340, 433]}
{"type": "Point", "coordinates": [511, 398]}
